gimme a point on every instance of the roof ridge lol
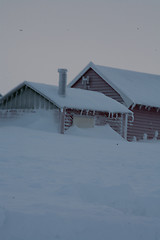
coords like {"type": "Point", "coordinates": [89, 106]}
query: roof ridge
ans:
{"type": "Point", "coordinates": [127, 70]}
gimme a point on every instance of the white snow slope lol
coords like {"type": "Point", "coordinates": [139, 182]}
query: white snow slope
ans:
{"type": "Point", "coordinates": [71, 187]}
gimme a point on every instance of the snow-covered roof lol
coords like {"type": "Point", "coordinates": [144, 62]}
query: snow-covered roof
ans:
{"type": "Point", "coordinates": [134, 87]}
{"type": "Point", "coordinates": [75, 98]}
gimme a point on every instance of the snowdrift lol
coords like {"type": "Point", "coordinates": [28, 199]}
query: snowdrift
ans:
{"type": "Point", "coordinates": [70, 186]}
{"type": "Point", "coordinates": [105, 132]}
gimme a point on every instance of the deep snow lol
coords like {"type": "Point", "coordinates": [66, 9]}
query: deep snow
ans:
{"type": "Point", "coordinates": [71, 186]}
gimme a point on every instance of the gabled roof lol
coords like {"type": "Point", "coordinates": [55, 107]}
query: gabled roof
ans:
{"type": "Point", "coordinates": [134, 87]}
{"type": "Point", "coordinates": [75, 98]}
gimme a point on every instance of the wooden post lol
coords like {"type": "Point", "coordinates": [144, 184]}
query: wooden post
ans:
{"type": "Point", "coordinates": [125, 126]}
{"type": "Point", "coordinates": [121, 122]}
{"type": "Point", "coordinates": [62, 119]}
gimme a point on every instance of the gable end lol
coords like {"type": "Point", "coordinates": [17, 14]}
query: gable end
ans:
{"type": "Point", "coordinates": [25, 98]}
{"type": "Point", "coordinates": [96, 83]}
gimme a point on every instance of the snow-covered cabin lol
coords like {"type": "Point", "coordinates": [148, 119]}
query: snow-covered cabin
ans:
{"type": "Point", "coordinates": [139, 92]}
{"type": "Point", "coordinates": [72, 106]}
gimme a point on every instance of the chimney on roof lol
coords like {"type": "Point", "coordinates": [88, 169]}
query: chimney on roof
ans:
{"type": "Point", "coordinates": [62, 81]}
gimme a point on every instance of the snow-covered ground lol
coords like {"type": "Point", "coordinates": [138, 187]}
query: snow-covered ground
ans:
{"type": "Point", "coordinates": [80, 185]}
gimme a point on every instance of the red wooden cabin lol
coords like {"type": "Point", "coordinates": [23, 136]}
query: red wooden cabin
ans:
{"type": "Point", "coordinates": [139, 92]}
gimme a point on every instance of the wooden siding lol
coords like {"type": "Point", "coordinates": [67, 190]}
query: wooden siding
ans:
{"type": "Point", "coordinates": [26, 98]}
{"type": "Point", "coordinates": [96, 83]}
{"type": "Point", "coordinates": [145, 122]}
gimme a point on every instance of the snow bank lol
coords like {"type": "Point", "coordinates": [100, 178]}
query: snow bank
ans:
{"type": "Point", "coordinates": [56, 186]}
{"type": "Point", "coordinates": [45, 120]}
{"type": "Point", "coordinates": [105, 132]}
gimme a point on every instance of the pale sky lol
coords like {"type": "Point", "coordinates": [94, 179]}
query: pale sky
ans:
{"type": "Point", "coordinates": [39, 36]}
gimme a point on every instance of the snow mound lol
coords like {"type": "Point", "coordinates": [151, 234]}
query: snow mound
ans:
{"type": "Point", "coordinates": [55, 186]}
{"type": "Point", "coordinates": [97, 132]}
{"type": "Point", "coordinates": [48, 121]}
{"type": "Point", "coordinates": [38, 120]}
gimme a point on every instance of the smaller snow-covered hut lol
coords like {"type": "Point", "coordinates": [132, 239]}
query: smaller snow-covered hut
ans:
{"type": "Point", "coordinates": [71, 106]}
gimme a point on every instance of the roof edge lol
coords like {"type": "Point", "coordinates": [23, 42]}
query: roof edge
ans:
{"type": "Point", "coordinates": [26, 83]}
{"type": "Point", "coordinates": [13, 90]}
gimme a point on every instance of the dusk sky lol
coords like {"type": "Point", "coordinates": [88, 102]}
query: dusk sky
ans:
{"type": "Point", "coordinates": [39, 36]}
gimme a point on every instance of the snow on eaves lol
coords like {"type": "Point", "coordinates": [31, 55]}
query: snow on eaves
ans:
{"type": "Point", "coordinates": [141, 88]}
{"type": "Point", "coordinates": [78, 98]}
{"type": "Point", "coordinates": [134, 87]}
{"type": "Point", "coordinates": [75, 98]}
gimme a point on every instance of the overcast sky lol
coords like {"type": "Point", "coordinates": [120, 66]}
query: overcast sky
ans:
{"type": "Point", "coordinates": [39, 36]}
